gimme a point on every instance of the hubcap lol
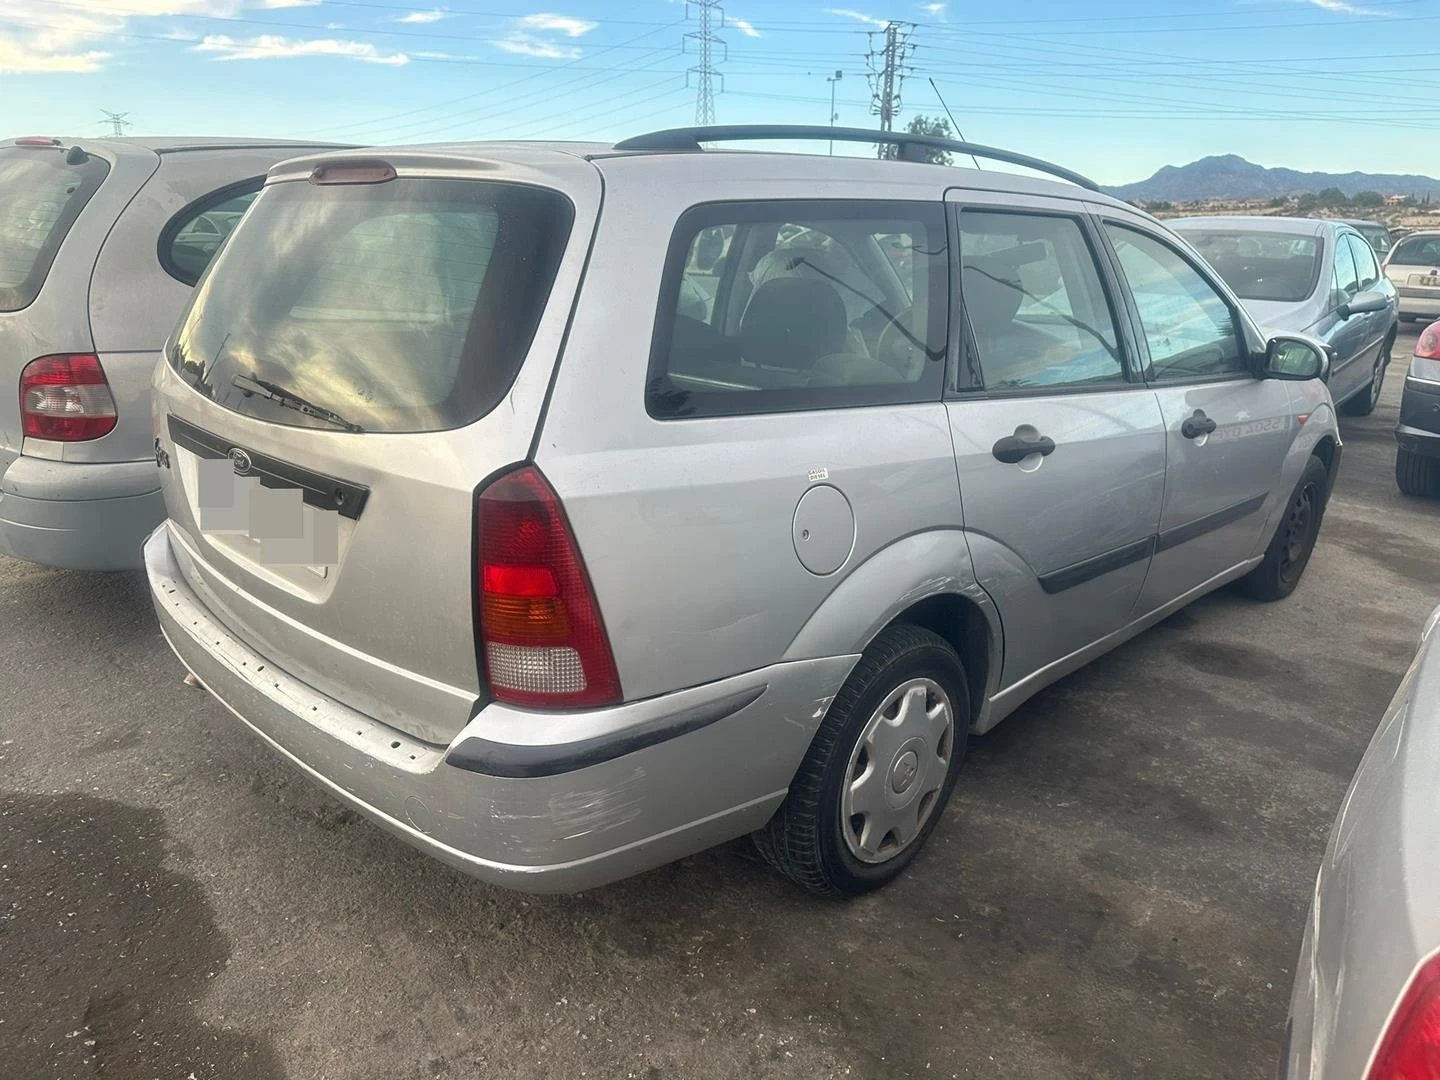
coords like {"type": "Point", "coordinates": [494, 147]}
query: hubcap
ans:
{"type": "Point", "coordinates": [897, 769]}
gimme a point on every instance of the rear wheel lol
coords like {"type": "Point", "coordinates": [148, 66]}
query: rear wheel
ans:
{"type": "Point", "coordinates": [1363, 403]}
{"type": "Point", "coordinates": [1415, 474]}
{"type": "Point", "coordinates": [1294, 541]}
{"type": "Point", "coordinates": [879, 771]}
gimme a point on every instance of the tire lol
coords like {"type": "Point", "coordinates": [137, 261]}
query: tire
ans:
{"type": "Point", "coordinates": [1294, 540]}
{"type": "Point", "coordinates": [1363, 403]}
{"type": "Point", "coordinates": [806, 840]}
{"type": "Point", "coordinates": [1415, 474]}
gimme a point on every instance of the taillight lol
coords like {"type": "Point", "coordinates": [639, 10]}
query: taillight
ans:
{"type": "Point", "coordinates": [1428, 347]}
{"type": "Point", "coordinates": [543, 640]}
{"type": "Point", "coordinates": [1410, 1049]}
{"type": "Point", "coordinates": [66, 398]}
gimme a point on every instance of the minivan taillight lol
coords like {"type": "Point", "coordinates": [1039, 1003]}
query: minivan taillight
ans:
{"type": "Point", "coordinates": [541, 634]}
{"type": "Point", "coordinates": [1410, 1049]}
{"type": "Point", "coordinates": [66, 398]}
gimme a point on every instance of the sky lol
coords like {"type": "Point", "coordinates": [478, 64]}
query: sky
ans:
{"type": "Point", "coordinates": [1112, 88]}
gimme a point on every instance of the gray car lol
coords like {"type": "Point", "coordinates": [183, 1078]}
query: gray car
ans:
{"type": "Point", "coordinates": [1317, 277]}
{"type": "Point", "coordinates": [564, 543]}
{"type": "Point", "coordinates": [1413, 267]}
{"type": "Point", "coordinates": [1366, 1001]}
{"type": "Point", "coordinates": [100, 243]}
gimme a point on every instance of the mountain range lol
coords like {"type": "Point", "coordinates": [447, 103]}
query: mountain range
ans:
{"type": "Point", "coordinates": [1229, 176]}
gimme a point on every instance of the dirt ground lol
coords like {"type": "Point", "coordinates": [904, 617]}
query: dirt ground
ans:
{"type": "Point", "coordinates": [1116, 891]}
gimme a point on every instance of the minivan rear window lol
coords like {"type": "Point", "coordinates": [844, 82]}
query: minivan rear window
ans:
{"type": "Point", "coordinates": [41, 195]}
{"type": "Point", "coordinates": [401, 306]}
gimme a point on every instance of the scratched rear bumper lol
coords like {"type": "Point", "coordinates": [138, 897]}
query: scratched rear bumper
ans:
{"type": "Point", "coordinates": [563, 832]}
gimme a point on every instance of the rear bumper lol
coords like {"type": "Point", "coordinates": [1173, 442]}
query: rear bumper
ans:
{"type": "Point", "coordinates": [79, 516]}
{"type": "Point", "coordinates": [1418, 305]}
{"type": "Point", "coordinates": [628, 789]}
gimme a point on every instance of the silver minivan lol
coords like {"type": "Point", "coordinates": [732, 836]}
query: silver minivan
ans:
{"type": "Point", "coordinates": [101, 242]}
{"type": "Point", "coordinates": [568, 509]}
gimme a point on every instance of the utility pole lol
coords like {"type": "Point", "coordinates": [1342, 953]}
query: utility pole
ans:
{"type": "Point", "coordinates": [832, 80]}
{"type": "Point", "coordinates": [887, 73]}
{"type": "Point", "coordinates": [705, 43]}
{"type": "Point", "coordinates": [116, 120]}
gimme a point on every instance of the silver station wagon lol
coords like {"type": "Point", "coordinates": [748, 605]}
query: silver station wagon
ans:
{"type": "Point", "coordinates": [568, 509]}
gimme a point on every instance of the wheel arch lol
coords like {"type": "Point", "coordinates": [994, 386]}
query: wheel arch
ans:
{"type": "Point", "coordinates": [926, 579]}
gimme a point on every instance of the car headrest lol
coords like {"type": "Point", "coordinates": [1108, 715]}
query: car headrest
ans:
{"type": "Point", "coordinates": [992, 292]}
{"type": "Point", "coordinates": [791, 322]}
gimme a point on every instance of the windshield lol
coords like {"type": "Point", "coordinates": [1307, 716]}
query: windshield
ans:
{"type": "Point", "coordinates": [403, 306]}
{"type": "Point", "coordinates": [1261, 265]}
{"type": "Point", "coordinates": [1377, 236]}
{"type": "Point", "coordinates": [40, 198]}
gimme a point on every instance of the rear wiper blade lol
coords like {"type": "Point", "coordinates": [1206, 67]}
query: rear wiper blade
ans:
{"type": "Point", "coordinates": [278, 394]}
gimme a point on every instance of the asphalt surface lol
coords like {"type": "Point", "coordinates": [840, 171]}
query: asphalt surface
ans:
{"type": "Point", "coordinates": [1117, 889]}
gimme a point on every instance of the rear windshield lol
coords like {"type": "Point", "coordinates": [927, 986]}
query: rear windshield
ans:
{"type": "Point", "coordinates": [40, 198]}
{"type": "Point", "coordinates": [1261, 265]}
{"type": "Point", "coordinates": [1417, 251]}
{"type": "Point", "coordinates": [402, 306]}
{"type": "Point", "coordinates": [1376, 236]}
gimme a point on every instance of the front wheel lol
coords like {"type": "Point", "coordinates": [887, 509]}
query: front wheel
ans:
{"type": "Point", "coordinates": [1363, 403]}
{"type": "Point", "coordinates": [879, 771]}
{"type": "Point", "coordinates": [1294, 541]}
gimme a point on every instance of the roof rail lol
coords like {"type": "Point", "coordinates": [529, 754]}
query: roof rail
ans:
{"type": "Point", "coordinates": [912, 147]}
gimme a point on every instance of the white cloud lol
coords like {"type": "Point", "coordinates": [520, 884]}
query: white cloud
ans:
{"type": "Point", "coordinates": [432, 16]}
{"type": "Point", "coordinates": [524, 45]}
{"type": "Point", "coordinates": [562, 24]}
{"type": "Point", "coordinates": [289, 3]}
{"type": "Point", "coordinates": [1340, 7]}
{"type": "Point", "coordinates": [934, 9]}
{"type": "Point", "coordinates": [276, 47]}
{"type": "Point", "coordinates": [744, 27]}
{"type": "Point", "coordinates": [70, 37]}
{"type": "Point", "coordinates": [858, 16]}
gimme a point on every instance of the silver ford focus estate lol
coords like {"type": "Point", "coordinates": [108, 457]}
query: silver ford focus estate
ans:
{"type": "Point", "coordinates": [568, 509]}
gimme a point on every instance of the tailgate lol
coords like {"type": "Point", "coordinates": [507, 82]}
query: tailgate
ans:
{"type": "Point", "coordinates": [357, 361]}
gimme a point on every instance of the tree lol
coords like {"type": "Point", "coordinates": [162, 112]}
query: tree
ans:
{"type": "Point", "coordinates": [1279, 201]}
{"type": "Point", "coordinates": [1331, 196]}
{"type": "Point", "coordinates": [937, 126]}
{"type": "Point", "coordinates": [1368, 198]}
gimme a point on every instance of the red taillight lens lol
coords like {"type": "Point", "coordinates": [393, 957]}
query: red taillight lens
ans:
{"type": "Point", "coordinates": [1411, 1047]}
{"type": "Point", "coordinates": [66, 398]}
{"type": "Point", "coordinates": [1428, 347]}
{"type": "Point", "coordinates": [544, 642]}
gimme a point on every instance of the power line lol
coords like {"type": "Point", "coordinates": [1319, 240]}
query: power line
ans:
{"type": "Point", "coordinates": [706, 42]}
{"type": "Point", "coordinates": [116, 120]}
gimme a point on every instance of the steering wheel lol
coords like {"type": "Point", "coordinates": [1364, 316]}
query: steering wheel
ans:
{"type": "Point", "coordinates": [902, 346]}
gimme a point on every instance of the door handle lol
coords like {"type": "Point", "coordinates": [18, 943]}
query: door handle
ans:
{"type": "Point", "coordinates": [1013, 449]}
{"type": "Point", "coordinates": [1197, 425]}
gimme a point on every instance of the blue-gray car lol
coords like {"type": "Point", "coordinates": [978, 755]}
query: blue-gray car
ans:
{"type": "Point", "coordinates": [1316, 277]}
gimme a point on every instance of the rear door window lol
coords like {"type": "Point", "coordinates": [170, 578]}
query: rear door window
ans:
{"type": "Point", "coordinates": [773, 307]}
{"type": "Point", "coordinates": [1037, 310]}
{"type": "Point", "coordinates": [402, 306]}
{"type": "Point", "coordinates": [41, 195]}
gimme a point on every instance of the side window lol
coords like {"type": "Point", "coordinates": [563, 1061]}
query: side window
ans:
{"type": "Point", "coordinates": [1190, 329]}
{"type": "Point", "coordinates": [1365, 265]}
{"type": "Point", "coordinates": [773, 307]}
{"type": "Point", "coordinates": [191, 239]}
{"type": "Point", "coordinates": [1347, 281]}
{"type": "Point", "coordinates": [1033, 297]}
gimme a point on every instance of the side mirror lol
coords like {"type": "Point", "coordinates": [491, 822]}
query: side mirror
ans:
{"type": "Point", "coordinates": [1295, 358]}
{"type": "Point", "coordinates": [1364, 303]}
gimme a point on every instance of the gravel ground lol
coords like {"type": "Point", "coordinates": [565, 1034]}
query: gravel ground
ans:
{"type": "Point", "coordinates": [1117, 889]}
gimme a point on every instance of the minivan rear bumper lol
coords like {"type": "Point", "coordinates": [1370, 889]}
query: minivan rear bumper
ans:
{"type": "Point", "coordinates": [79, 516]}
{"type": "Point", "coordinates": [506, 800]}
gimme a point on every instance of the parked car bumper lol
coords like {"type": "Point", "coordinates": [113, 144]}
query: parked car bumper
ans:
{"type": "Point", "coordinates": [509, 800]}
{"type": "Point", "coordinates": [78, 516]}
{"type": "Point", "coordinates": [1418, 306]}
{"type": "Point", "coordinates": [1419, 427]}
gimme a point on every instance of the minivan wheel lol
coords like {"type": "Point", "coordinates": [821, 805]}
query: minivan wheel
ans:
{"type": "Point", "coordinates": [1363, 403]}
{"type": "Point", "coordinates": [1415, 474]}
{"type": "Point", "coordinates": [879, 771]}
{"type": "Point", "coordinates": [1294, 541]}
